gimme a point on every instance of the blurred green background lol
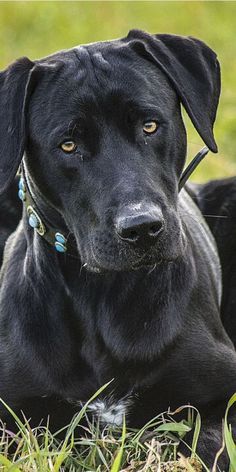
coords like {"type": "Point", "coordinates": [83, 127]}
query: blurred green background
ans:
{"type": "Point", "coordinates": [35, 29]}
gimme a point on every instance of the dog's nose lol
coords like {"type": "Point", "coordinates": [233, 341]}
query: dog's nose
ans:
{"type": "Point", "coordinates": [142, 228]}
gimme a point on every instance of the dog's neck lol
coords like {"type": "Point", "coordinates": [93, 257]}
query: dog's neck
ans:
{"type": "Point", "coordinates": [46, 218]}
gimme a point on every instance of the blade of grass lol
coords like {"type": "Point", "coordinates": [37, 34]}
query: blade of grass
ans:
{"type": "Point", "coordinates": [221, 450]}
{"type": "Point", "coordinates": [196, 433]}
{"type": "Point", "coordinates": [174, 427]}
{"type": "Point", "coordinates": [75, 422]}
{"type": "Point", "coordinates": [10, 466]}
{"type": "Point", "coordinates": [117, 462]}
{"type": "Point", "coordinates": [65, 450]}
{"type": "Point", "coordinates": [229, 441]}
{"type": "Point", "coordinates": [21, 426]}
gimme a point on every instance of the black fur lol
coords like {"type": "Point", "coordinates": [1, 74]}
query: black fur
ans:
{"type": "Point", "coordinates": [10, 214]}
{"type": "Point", "coordinates": [217, 201]}
{"type": "Point", "coordinates": [147, 316]}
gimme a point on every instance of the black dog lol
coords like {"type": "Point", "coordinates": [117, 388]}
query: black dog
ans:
{"type": "Point", "coordinates": [135, 293]}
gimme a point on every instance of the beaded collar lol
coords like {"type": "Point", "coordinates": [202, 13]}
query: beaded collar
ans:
{"type": "Point", "coordinates": [39, 223]}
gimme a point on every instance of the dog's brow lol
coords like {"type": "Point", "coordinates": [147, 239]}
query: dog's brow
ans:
{"type": "Point", "coordinates": [147, 108]}
{"type": "Point", "coordinates": [64, 129]}
{"type": "Point", "coordinates": [72, 127]}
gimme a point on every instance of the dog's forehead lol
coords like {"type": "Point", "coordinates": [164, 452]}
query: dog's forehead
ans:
{"type": "Point", "coordinates": [104, 54]}
{"type": "Point", "coordinates": [97, 80]}
{"type": "Point", "coordinates": [103, 67]}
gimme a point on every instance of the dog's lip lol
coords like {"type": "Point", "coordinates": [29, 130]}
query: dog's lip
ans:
{"type": "Point", "coordinates": [132, 268]}
{"type": "Point", "coordinates": [146, 261]}
{"type": "Point", "coordinates": [140, 263]}
{"type": "Point", "coordinates": [92, 268]}
{"type": "Point", "coordinates": [96, 270]}
{"type": "Point", "coordinates": [143, 265]}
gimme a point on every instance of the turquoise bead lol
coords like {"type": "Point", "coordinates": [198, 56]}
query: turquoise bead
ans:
{"type": "Point", "coordinates": [60, 247]}
{"type": "Point", "coordinates": [22, 185]}
{"type": "Point", "coordinates": [60, 238]}
{"type": "Point", "coordinates": [21, 195]}
{"type": "Point", "coordinates": [33, 221]}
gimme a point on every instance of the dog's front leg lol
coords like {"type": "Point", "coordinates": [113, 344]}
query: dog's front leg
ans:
{"type": "Point", "coordinates": [210, 443]}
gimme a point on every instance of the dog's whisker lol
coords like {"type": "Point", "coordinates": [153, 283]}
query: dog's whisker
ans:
{"type": "Point", "coordinates": [216, 216]}
{"type": "Point", "coordinates": [152, 269]}
{"type": "Point", "coordinates": [83, 266]}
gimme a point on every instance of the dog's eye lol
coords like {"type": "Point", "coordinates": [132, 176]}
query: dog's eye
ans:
{"type": "Point", "coordinates": [68, 146]}
{"type": "Point", "coordinates": [150, 127]}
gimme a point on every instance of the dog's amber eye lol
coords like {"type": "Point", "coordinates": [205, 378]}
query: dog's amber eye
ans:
{"type": "Point", "coordinates": [68, 146]}
{"type": "Point", "coordinates": [150, 127]}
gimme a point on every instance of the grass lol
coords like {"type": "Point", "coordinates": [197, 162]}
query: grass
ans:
{"type": "Point", "coordinates": [154, 448]}
{"type": "Point", "coordinates": [97, 450]}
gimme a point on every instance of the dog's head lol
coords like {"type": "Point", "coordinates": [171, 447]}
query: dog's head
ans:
{"type": "Point", "coordinates": [104, 140]}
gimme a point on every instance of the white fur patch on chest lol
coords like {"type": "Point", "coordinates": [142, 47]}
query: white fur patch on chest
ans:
{"type": "Point", "coordinates": [109, 413]}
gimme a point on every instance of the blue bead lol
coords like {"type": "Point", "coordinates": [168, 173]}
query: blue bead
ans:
{"type": "Point", "coordinates": [22, 185]}
{"type": "Point", "coordinates": [21, 195]}
{"type": "Point", "coordinates": [60, 247]}
{"type": "Point", "coordinates": [60, 238]}
{"type": "Point", "coordinates": [33, 221]}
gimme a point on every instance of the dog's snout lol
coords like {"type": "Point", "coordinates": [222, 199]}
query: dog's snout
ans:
{"type": "Point", "coordinates": [140, 228]}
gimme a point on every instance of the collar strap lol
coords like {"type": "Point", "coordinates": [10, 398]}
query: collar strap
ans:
{"type": "Point", "coordinates": [192, 166]}
{"type": "Point", "coordinates": [56, 237]}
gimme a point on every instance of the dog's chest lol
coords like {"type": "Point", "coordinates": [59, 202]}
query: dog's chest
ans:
{"type": "Point", "coordinates": [110, 412]}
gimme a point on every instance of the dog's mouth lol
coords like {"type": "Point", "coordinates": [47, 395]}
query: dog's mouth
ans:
{"type": "Point", "coordinates": [146, 262]}
{"type": "Point", "coordinates": [148, 266]}
{"type": "Point", "coordinates": [139, 266]}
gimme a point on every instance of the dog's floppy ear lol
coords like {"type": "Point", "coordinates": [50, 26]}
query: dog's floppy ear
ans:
{"type": "Point", "coordinates": [15, 87]}
{"type": "Point", "coordinates": [194, 71]}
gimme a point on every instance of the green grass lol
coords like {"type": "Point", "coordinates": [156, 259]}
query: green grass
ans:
{"type": "Point", "coordinates": [36, 29]}
{"type": "Point", "coordinates": [97, 450]}
{"type": "Point", "coordinates": [153, 448]}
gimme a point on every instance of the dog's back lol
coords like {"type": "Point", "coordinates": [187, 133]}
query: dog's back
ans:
{"type": "Point", "coordinates": [217, 201]}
